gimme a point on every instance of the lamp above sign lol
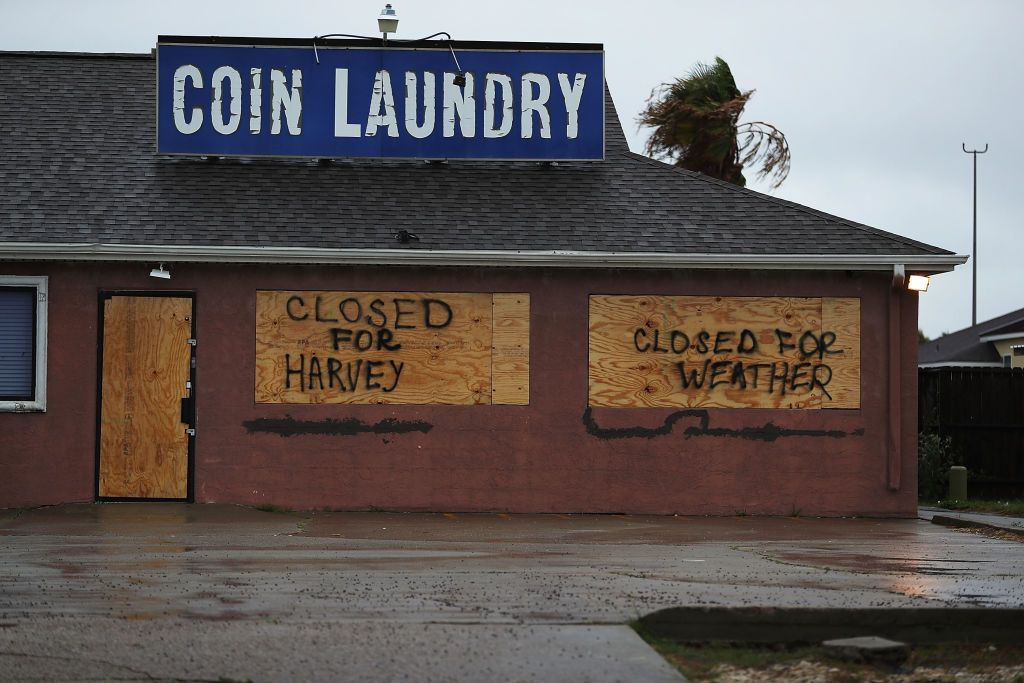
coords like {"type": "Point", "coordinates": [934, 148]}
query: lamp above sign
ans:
{"type": "Point", "coordinates": [343, 99]}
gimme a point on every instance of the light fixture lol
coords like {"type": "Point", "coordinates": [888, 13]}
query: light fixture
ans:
{"type": "Point", "coordinates": [918, 283]}
{"type": "Point", "coordinates": [161, 273]}
{"type": "Point", "coordinates": [387, 22]}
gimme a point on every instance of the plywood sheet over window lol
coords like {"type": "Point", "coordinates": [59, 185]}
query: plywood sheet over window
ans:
{"type": "Point", "coordinates": [727, 352]}
{"type": "Point", "coordinates": [392, 347]}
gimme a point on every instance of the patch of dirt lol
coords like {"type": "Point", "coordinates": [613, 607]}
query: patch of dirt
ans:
{"type": "Point", "coordinates": [992, 532]}
{"type": "Point", "coordinates": [805, 671]}
{"type": "Point", "coordinates": [947, 663]}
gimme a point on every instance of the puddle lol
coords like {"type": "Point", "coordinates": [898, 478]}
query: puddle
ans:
{"type": "Point", "coordinates": [874, 564]}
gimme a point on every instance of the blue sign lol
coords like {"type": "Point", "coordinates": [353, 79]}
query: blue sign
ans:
{"type": "Point", "coordinates": [397, 102]}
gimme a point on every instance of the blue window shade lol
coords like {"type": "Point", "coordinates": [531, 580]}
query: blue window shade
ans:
{"type": "Point", "coordinates": [17, 342]}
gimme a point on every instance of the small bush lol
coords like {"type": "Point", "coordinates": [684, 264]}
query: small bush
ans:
{"type": "Point", "coordinates": [935, 456]}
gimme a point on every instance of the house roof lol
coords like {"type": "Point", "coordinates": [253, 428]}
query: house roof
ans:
{"type": "Point", "coordinates": [966, 346]}
{"type": "Point", "coordinates": [80, 177]}
{"type": "Point", "coordinates": [1013, 329]}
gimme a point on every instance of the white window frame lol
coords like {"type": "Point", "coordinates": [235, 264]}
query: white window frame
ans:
{"type": "Point", "coordinates": [41, 285]}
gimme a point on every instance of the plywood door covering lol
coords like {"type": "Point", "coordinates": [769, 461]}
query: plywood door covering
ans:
{"type": "Point", "coordinates": [146, 364]}
{"type": "Point", "coordinates": [392, 347]}
{"type": "Point", "coordinates": [708, 351]}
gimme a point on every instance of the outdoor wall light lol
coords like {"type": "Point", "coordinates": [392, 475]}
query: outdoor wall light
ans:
{"type": "Point", "coordinates": [918, 283]}
{"type": "Point", "coordinates": [387, 22]}
{"type": "Point", "coordinates": [160, 272]}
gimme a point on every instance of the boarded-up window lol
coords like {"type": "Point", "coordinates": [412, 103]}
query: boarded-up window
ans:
{"type": "Point", "coordinates": [17, 342]}
{"type": "Point", "coordinates": [724, 352]}
{"type": "Point", "coordinates": [468, 348]}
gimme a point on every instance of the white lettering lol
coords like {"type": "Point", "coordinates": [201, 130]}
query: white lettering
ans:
{"type": "Point", "coordinates": [289, 100]}
{"type": "Point", "coordinates": [234, 105]}
{"type": "Point", "coordinates": [458, 101]}
{"type": "Point", "coordinates": [255, 101]}
{"type": "Point", "coordinates": [490, 80]}
{"type": "Point", "coordinates": [342, 127]}
{"type": "Point", "coordinates": [572, 95]}
{"type": "Point", "coordinates": [412, 107]}
{"type": "Point", "coordinates": [183, 72]}
{"type": "Point", "coordinates": [535, 104]}
{"type": "Point", "coordinates": [382, 95]}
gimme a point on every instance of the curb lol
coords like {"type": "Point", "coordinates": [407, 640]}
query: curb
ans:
{"type": "Point", "coordinates": [815, 624]}
{"type": "Point", "coordinates": [959, 523]}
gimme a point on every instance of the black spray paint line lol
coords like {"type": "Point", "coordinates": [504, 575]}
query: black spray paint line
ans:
{"type": "Point", "coordinates": [767, 432]}
{"type": "Point", "coordinates": [350, 426]}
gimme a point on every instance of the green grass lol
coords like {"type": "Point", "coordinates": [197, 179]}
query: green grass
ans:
{"type": "Point", "coordinates": [269, 507]}
{"type": "Point", "coordinates": [1011, 508]}
{"type": "Point", "coordinates": [698, 661]}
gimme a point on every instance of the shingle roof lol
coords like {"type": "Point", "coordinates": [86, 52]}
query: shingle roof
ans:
{"type": "Point", "coordinates": [965, 346]}
{"type": "Point", "coordinates": [78, 165]}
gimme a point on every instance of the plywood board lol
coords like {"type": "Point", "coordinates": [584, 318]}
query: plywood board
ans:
{"type": "Point", "coordinates": [842, 316]}
{"type": "Point", "coordinates": [373, 347]}
{"type": "Point", "coordinates": [146, 363]}
{"type": "Point", "coordinates": [728, 352]}
{"type": "Point", "coordinates": [510, 349]}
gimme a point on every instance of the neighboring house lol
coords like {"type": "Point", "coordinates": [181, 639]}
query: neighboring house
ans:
{"type": "Point", "coordinates": [996, 343]}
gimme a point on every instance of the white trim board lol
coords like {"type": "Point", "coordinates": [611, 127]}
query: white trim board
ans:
{"type": "Point", "coordinates": [41, 251]}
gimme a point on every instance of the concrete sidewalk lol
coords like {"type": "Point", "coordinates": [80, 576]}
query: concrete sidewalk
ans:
{"type": "Point", "coordinates": [177, 592]}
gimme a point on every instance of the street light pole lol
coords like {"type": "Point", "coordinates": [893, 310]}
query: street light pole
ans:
{"type": "Point", "coordinates": [974, 247]}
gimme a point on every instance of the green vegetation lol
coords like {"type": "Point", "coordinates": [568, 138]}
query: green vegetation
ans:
{"type": "Point", "coordinates": [697, 127]}
{"type": "Point", "coordinates": [783, 662]}
{"type": "Point", "coordinates": [1011, 508]}
{"type": "Point", "coordinates": [935, 455]}
{"type": "Point", "coordinates": [698, 661]}
{"type": "Point", "coordinates": [277, 509]}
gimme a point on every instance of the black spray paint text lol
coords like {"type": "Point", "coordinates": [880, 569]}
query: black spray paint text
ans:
{"type": "Point", "coordinates": [769, 376]}
{"type": "Point", "coordinates": [355, 326]}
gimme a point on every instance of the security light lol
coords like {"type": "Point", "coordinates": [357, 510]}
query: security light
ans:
{"type": "Point", "coordinates": [387, 22]}
{"type": "Point", "coordinates": [918, 283]}
{"type": "Point", "coordinates": [160, 273]}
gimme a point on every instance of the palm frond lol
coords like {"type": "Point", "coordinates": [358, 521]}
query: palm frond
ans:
{"type": "Point", "coordinates": [765, 145]}
{"type": "Point", "coordinates": [695, 121]}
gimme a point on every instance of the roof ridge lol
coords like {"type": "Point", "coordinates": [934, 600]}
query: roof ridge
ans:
{"type": "Point", "coordinates": [791, 204]}
{"type": "Point", "coordinates": [76, 55]}
{"type": "Point", "coordinates": [973, 332]}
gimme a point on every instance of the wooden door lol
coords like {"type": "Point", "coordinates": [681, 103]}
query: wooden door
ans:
{"type": "Point", "coordinates": [145, 404]}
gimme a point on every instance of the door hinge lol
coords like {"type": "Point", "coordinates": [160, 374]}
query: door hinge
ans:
{"type": "Point", "coordinates": [191, 342]}
{"type": "Point", "coordinates": [190, 431]}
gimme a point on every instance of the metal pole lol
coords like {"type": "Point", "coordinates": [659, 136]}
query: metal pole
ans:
{"type": "Point", "coordinates": [974, 246]}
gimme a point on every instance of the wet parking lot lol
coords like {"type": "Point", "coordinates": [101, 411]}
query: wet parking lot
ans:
{"type": "Point", "coordinates": [176, 592]}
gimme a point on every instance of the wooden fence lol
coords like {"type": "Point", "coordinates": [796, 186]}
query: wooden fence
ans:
{"type": "Point", "coordinates": [982, 410]}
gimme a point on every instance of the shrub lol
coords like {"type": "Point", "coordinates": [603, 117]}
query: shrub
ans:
{"type": "Point", "coordinates": [935, 456]}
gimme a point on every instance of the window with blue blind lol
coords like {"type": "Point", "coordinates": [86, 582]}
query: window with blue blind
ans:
{"type": "Point", "coordinates": [22, 343]}
{"type": "Point", "coordinates": [17, 342]}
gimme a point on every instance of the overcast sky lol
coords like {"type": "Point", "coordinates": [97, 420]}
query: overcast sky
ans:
{"type": "Point", "coordinates": [875, 97]}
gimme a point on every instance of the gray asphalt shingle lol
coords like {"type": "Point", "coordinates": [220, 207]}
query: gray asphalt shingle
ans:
{"type": "Point", "coordinates": [78, 165]}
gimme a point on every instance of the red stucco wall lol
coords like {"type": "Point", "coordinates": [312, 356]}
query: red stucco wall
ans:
{"type": "Point", "coordinates": [536, 458]}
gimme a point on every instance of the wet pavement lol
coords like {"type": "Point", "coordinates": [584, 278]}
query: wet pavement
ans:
{"type": "Point", "coordinates": [176, 592]}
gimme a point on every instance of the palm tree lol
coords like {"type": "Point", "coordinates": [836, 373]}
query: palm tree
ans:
{"type": "Point", "coordinates": [696, 125]}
